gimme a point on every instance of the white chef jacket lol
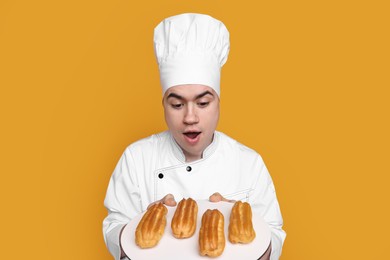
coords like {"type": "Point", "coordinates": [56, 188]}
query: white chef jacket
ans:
{"type": "Point", "coordinates": [152, 167]}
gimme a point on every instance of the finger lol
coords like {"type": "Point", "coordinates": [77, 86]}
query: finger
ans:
{"type": "Point", "coordinates": [226, 200]}
{"type": "Point", "coordinates": [169, 200]}
{"type": "Point", "coordinates": [217, 197]}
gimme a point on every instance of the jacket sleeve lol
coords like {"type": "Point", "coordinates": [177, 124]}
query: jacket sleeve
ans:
{"type": "Point", "coordinates": [122, 202]}
{"type": "Point", "coordinates": [264, 200]}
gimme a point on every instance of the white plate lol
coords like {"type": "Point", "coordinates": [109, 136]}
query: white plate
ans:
{"type": "Point", "coordinates": [172, 248]}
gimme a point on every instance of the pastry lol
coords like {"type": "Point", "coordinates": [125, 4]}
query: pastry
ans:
{"type": "Point", "coordinates": [240, 225]}
{"type": "Point", "coordinates": [151, 227]}
{"type": "Point", "coordinates": [184, 220]}
{"type": "Point", "coordinates": [211, 234]}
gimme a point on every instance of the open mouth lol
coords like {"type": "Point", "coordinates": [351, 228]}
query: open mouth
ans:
{"type": "Point", "coordinates": [192, 135]}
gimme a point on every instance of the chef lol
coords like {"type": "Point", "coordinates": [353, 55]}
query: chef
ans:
{"type": "Point", "coordinates": [191, 158]}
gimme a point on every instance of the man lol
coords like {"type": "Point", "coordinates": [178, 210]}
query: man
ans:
{"type": "Point", "coordinates": [191, 159]}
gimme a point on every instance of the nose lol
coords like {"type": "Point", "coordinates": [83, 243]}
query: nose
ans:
{"type": "Point", "coordinates": [191, 116]}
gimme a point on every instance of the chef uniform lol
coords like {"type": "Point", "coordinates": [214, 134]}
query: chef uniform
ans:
{"type": "Point", "coordinates": [155, 166]}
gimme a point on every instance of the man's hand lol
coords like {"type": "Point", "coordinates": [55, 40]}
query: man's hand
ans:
{"type": "Point", "coordinates": [168, 200]}
{"type": "Point", "coordinates": [217, 197]}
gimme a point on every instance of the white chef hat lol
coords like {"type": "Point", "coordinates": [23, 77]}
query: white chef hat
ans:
{"type": "Point", "coordinates": [191, 49]}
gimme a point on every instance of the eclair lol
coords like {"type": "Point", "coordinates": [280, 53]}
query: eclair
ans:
{"type": "Point", "coordinates": [211, 234]}
{"type": "Point", "coordinates": [151, 227]}
{"type": "Point", "coordinates": [184, 220]}
{"type": "Point", "coordinates": [240, 225]}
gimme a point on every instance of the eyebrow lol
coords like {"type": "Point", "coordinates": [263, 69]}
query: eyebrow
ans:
{"type": "Point", "coordinates": [174, 95]}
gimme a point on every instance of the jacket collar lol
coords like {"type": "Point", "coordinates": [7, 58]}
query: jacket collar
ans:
{"type": "Point", "coordinates": [178, 152]}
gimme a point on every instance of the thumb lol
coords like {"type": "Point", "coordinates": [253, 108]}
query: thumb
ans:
{"type": "Point", "coordinates": [217, 197]}
{"type": "Point", "coordinates": [169, 200]}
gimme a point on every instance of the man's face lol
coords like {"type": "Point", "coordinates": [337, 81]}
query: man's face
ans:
{"type": "Point", "coordinates": [191, 113]}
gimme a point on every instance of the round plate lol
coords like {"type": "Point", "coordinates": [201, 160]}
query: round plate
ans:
{"type": "Point", "coordinates": [172, 248]}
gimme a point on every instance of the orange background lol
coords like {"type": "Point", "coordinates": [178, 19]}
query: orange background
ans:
{"type": "Point", "coordinates": [306, 85]}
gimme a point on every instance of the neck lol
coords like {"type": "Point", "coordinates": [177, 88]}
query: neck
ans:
{"type": "Point", "coordinates": [192, 157]}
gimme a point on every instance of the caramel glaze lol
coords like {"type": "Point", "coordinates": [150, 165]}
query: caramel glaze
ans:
{"type": "Point", "coordinates": [240, 226]}
{"type": "Point", "coordinates": [184, 220]}
{"type": "Point", "coordinates": [151, 227]}
{"type": "Point", "coordinates": [211, 234]}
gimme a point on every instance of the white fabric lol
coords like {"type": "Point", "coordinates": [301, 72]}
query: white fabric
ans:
{"type": "Point", "coordinates": [191, 49]}
{"type": "Point", "coordinates": [228, 167]}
